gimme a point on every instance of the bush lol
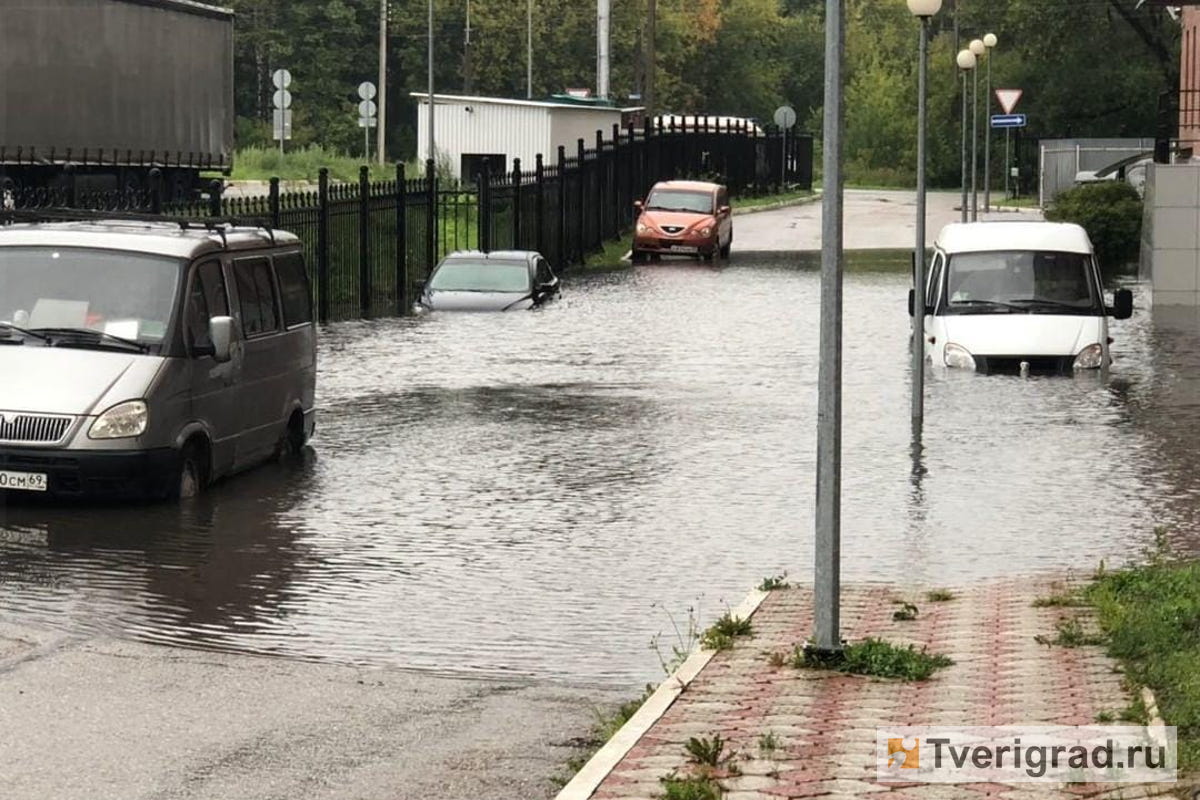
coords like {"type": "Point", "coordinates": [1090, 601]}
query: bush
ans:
{"type": "Point", "coordinates": [1111, 213]}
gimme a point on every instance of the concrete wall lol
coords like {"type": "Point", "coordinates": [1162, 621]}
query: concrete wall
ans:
{"type": "Point", "coordinates": [1170, 258]}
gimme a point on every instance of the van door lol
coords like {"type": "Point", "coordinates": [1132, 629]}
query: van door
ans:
{"type": "Point", "coordinates": [213, 386]}
{"type": "Point", "coordinates": [295, 295]}
{"type": "Point", "coordinates": [260, 392]}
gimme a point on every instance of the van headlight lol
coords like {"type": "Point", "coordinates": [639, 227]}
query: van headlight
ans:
{"type": "Point", "coordinates": [958, 357]}
{"type": "Point", "coordinates": [1090, 357]}
{"type": "Point", "coordinates": [122, 421]}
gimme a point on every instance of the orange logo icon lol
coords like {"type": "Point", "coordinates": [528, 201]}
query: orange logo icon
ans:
{"type": "Point", "coordinates": [904, 757]}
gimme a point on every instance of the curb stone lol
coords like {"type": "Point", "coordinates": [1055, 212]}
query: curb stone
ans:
{"type": "Point", "coordinates": [593, 773]}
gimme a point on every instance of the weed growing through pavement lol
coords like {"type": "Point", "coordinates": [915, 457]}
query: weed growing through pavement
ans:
{"type": "Point", "coordinates": [685, 641]}
{"type": "Point", "coordinates": [777, 659]}
{"type": "Point", "coordinates": [906, 613]}
{"type": "Point", "coordinates": [1061, 600]}
{"type": "Point", "coordinates": [768, 743]}
{"type": "Point", "coordinates": [1070, 633]}
{"type": "Point", "coordinates": [707, 752]}
{"type": "Point", "coordinates": [721, 634]}
{"type": "Point", "coordinates": [877, 658]}
{"type": "Point", "coordinates": [1106, 716]}
{"type": "Point", "coordinates": [605, 727]}
{"type": "Point", "coordinates": [774, 582]}
{"type": "Point", "coordinates": [939, 595]}
{"type": "Point", "coordinates": [691, 787]}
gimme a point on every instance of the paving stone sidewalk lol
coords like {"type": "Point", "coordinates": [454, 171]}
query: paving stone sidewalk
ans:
{"type": "Point", "coordinates": [825, 723]}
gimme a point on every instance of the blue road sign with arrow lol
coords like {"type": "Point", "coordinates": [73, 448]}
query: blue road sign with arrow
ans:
{"type": "Point", "coordinates": [1008, 120]}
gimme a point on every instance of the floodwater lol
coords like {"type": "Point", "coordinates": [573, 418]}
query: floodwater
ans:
{"type": "Point", "coordinates": [538, 494]}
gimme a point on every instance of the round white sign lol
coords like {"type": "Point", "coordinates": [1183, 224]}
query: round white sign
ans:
{"type": "Point", "coordinates": [366, 90]}
{"type": "Point", "coordinates": [281, 78]}
{"type": "Point", "coordinates": [785, 116]}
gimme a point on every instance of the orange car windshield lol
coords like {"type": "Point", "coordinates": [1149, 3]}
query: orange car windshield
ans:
{"type": "Point", "coordinates": [676, 200]}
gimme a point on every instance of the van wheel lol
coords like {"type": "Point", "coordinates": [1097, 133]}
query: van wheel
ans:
{"type": "Point", "coordinates": [192, 469]}
{"type": "Point", "coordinates": [291, 444]}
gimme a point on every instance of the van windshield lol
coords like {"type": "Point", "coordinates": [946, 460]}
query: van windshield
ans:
{"type": "Point", "coordinates": [106, 294]}
{"type": "Point", "coordinates": [1021, 281]}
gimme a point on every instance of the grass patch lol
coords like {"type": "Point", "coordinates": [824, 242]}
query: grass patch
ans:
{"type": "Point", "coordinates": [1061, 600]}
{"type": "Point", "coordinates": [304, 164]}
{"type": "Point", "coordinates": [768, 743]}
{"type": "Point", "coordinates": [1151, 616]}
{"type": "Point", "coordinates": [611, 255]}
{"type": "Point", "coordinates": [939, 595]}
{"type": "Point", "coordinates": [743, 204]}
{"type": "Point", "coordinates": [879, 659]}
{"type": "Point", "coordinates": [1070, 633]}
{"type": "Point", "coordinates": [691, 787]}
{"type": "Point", "coordinates": [721, 634]}
{"type": "Point", "coordinates": [1015, 202]}
{"type": "Point", "coordinates": [773, 582]}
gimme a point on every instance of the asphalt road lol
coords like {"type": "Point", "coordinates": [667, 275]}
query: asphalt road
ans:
{"type": "Point", "coordinates": [100, 719]}
{"type": "Point", "coordinates": [874, 220]}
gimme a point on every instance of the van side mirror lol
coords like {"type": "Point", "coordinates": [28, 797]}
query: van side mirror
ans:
{"type": "Point", "coordinates": [220, 331]}
{"type": "Point", "coordinates": [1122, 307]}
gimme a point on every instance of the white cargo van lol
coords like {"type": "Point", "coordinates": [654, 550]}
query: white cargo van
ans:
{"type": "Point", "coordinates": [1020, 297]}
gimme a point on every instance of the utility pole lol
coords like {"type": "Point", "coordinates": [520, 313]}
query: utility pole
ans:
{"type": "Point", "coordinates": [529, 50]}
{"type": "Point", "coordinates": [431, 151]}
{"type": "Point", "coordinates": [468, 65]}
{"type": "Point", "coordinates": [381, 131]}
{"type": "Point", "coordinates": [603, 13]}
{"type": "Point", "coordinates": [648, 66]}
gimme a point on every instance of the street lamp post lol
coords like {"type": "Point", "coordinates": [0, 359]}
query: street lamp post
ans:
{"type": "Point", "coordinates": [989, 41]}
{"type": "Point", "coordinates": [922, 10]}
{"type": "Point", "coordinates": [978, 49]}
{"type": "Point", "coordinates": [966, 63]}
{"type": "Point", "coordinates": [431, 153]}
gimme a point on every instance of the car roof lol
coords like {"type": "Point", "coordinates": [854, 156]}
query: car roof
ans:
{"type": "Point", "coordinates": [158, 238]}
{"type": "Point", "coordinates": [526, 256]}
{"type": "Point", "coordinates": [979, 237]}
{"type": "Point", "coordinates": [700, 186]}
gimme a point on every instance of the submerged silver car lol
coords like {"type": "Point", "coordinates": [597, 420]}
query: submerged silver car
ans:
{"type": "Point", "coordinates": [149, 358]}
{"type": "Point", "coordinates": [502, 280]}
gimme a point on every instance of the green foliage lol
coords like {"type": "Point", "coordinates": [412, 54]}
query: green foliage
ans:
{"type": "Point", "coordinates": [304, 164]}
{"type": "Point", "coordinates": [877, 658]}
{"type": "Point", "coordinates": [1070, 633]}
{"type": "Point", "coordinates": [939, 595]}
{"type": "Point", "coordinates": [1061, 600]}
{"type": "Point", "coordinates": [1111, 213]}
{"type": "Point", "coordinates": [768, 743]}
{"type": "Point", "coordinates": [691, 787]}
{"type": "Point", "coordinates": [1151, 616]}
{"type": "Point", "coordinates": [605, 727]}
{"type": "Point", "coordinates": [774, 582]}
{"type": "Point", "coordinates": [721, 634]}
{"type": "Point", "coordinates": [905, 613]}
{"type": "Point", "coordinates": [707, 752]}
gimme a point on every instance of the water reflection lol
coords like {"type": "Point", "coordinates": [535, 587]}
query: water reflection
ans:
{"type": "Point", "coordinates": [518, 494]}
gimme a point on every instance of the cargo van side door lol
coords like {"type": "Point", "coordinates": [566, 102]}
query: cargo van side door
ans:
{"type": "Point", "coordinates": [265, 361]}
{"type": "Point", "coordinates": [212, 384]}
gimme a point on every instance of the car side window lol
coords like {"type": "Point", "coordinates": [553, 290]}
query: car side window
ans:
{"type": "Point", "coordinates": [207, 298]}
{"type": "Point", "coordinates": [544, 274]}
{"type": "Point", "coordinates": [293, 289]}
{"type": "Point", "coordinates": [722, 198]}
{"type": "Point", "coordinates": [256, 296]}
{"type": "Point", "coordinates": [935, 279]}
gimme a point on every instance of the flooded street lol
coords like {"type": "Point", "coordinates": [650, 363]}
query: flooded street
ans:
{"type": "Point", "coordinates": [536, 494]}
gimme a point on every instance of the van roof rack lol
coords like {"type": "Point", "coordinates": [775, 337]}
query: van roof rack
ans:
{"type": "Point", "coordinates": [217, 225]}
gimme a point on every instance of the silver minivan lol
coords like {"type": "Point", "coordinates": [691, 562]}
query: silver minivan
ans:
{"type": "Point", "coordinates": [149, 358]}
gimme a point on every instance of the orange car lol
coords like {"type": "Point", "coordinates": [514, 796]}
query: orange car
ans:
{"type": "Point", "coordinates": [684, 218]}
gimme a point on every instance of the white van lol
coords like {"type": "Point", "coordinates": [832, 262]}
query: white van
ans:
{"type": "Point", "coordinates": [1020, 297]}
{"type": "Point", "coordinates": [146, 357]}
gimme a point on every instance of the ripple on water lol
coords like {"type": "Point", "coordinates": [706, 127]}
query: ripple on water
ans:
{"type": "Point", "coordinates": [514, 494]}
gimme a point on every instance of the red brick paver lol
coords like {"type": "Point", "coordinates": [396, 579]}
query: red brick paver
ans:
{"type": "Point", "coordinates": [825, 723]}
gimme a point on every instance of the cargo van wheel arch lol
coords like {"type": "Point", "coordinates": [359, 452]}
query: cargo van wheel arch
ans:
{"type": "Point", "coordinates": [195, 467]}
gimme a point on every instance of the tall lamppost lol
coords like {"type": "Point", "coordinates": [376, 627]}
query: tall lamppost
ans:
{"type": "Point", "coordinates": [429, 80]}
{"type": "Point", "coordinates": [989, 41]}
{"type": "Point", "coordinates": [966, 63]}
{"type": "Point", "coordinates": [978, 49]}
{"type": "Point", "coordinates": [922, 10]}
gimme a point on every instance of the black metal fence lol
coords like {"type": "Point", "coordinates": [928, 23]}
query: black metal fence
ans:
{"type": "Point", "coordinates": [369, 243]}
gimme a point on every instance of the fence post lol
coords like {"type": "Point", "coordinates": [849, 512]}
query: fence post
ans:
{"type": "Point", "coordinates": [214, 198]}
{"type": "Point", "coordinates": [482, 179]}
{"type": "Point", "coordinates": [430, 216]}
{"type": "Point", "coordinates": [516, 220]}
{"type": "Point", "coordinates": [601, 187]}
{"type": "Point", "coordinates": [323, 245]}
{"type": "Point", "coordinates": [273, 204]}
{"type": "Point", "coordinates": [581, 209]}
{"type": "Point", "coordinates": [564, 253]}
{"type": "Point", "coordinates": [401, 241]}
{"type": "Point", "coordinates": [364, 241]}
{"type": "Point", "coordinates": [616, 181]}
{"type": "Point", "coordinates": [156, 190]}
{"type": "Point", "coordinates": [540, 205]}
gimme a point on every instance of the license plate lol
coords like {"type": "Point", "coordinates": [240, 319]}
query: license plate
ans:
{"type": "Point", "coordinates": [23, 481]}
{"type": "Point", "coordinates": [683, 248]}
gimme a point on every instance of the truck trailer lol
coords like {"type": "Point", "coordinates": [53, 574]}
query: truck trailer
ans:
{"type": "Point", "coordinates": [120, 95]}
